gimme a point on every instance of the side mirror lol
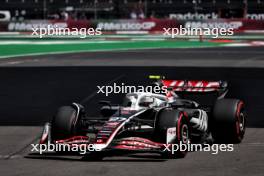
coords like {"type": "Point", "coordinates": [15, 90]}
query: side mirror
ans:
{"type": "Point", "coordinates": [108, 109]}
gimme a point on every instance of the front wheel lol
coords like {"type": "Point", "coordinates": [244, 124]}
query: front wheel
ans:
{"type": "Point", "coordinates": [172, 127]}
{"type": "Point", "coordinates": [63, 123]}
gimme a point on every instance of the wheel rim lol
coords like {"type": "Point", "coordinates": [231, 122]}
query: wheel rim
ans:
{"type": "Point", "coordinates": [241, 121]}
{"type": "Point", "coordinates": [184, 134]}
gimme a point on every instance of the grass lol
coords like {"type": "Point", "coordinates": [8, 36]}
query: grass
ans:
{"type": "Point", "coordinates": [33, 47]}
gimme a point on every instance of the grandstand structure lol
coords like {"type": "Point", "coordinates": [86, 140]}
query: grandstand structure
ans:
{"type": "Point", "coordinates": [120, 9]}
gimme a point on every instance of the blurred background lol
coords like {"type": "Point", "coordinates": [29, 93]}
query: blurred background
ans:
{"type": "Point", "coordinates": [130, 9]}
{"type": "Point", "coordinates": [127, 24]}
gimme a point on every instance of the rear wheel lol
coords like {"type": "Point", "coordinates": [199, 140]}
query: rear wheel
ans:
{"type": "Point", "coordinates": [229, 121]}
{"type": "Point", "coordinates": [63, 123]}
{"type": "Point", "coordinates": [172, 127]}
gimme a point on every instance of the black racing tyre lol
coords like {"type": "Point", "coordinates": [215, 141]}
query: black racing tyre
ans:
{"type": "Point", "coordinates": [63, 123]}
{"type": "Point", "coordinates": [229, 120]}
{"type": "Point", "coordinates": [171, 118]}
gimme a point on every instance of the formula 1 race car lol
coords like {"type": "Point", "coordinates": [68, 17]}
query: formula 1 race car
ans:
{"type": "Point", "coordinates": [189, 112]}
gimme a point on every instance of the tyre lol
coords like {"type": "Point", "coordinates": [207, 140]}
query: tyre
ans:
{"type": "Point", "coordinates": [168, 119]}
{"type": "Point", "coordinates": [63, 123]}
{"type": "Point", "coordinates": [229, 121]}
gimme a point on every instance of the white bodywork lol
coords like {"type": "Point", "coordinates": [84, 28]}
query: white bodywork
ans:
{"type": "Point", "coordinates": [137, 98]}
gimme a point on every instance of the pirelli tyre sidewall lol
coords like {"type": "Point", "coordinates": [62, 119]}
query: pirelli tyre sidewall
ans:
{"type": "Point", "coordinates": [229, 121]}
{"type": "Point", "coordinates": [169, 118]}
{"type": "Point", "coordinates": [62, 125]}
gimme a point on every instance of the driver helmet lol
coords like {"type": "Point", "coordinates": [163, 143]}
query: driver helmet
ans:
{"type": "Point", "coordinates": [147, 101]}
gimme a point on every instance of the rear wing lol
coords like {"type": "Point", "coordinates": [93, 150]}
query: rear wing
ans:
{"type": "Point", "coordinates": [191, 87]}
{"type": "Point", "coordinates": [194, 85]}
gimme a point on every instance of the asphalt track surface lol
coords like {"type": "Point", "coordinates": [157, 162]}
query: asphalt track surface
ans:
{"type": "Point", "coordinates": [17, 159]}
{"type": "Point", "coordinates": [198, 57]}
{"type": "Point", "coordinates": [33, 87]}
